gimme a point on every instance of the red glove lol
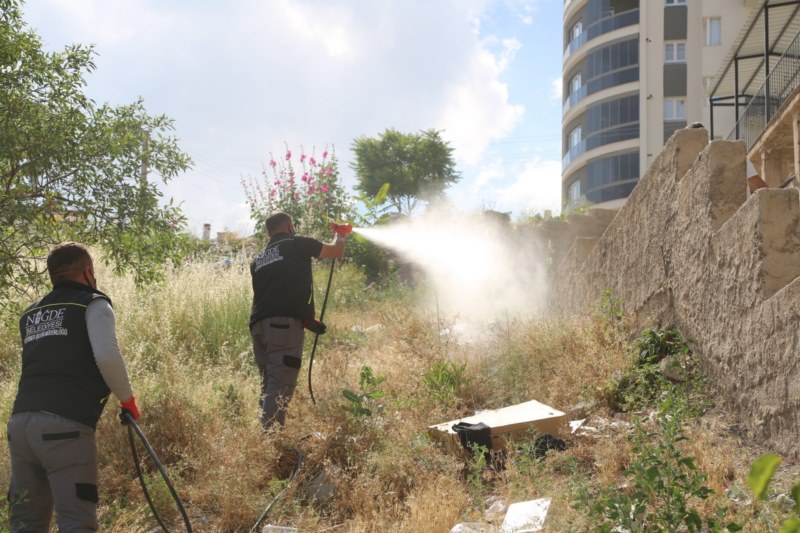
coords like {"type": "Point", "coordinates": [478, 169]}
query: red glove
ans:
{"type": "Point", "coordinates": [129, 406]}
{"type": "Point", "coordinates": [315, 326]}
{"type": "Point", "coordinates": [342, 229]}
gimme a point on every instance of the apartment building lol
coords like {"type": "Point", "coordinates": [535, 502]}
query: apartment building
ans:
{"type": "Point", "coordinates": [634, 71]}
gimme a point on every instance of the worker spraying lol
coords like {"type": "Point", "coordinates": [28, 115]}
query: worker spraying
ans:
{"type": "Point", "coordinates": [283, 308]}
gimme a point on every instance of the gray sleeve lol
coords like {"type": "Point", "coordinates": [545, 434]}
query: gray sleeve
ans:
{"type": "Point", "coordinates": [103, 336]}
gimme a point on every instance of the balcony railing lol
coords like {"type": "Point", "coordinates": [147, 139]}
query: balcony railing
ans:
{"type": "Point", "coordinates": [623, 132]}
{"type": "Point", "coordinates": [601, 27]}
{"type": "Point", "coordinates": [769, 99]}
{"type": "Point", "coordinates": [609, 79]}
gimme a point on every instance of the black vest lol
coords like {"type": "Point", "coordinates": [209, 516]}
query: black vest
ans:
{"type": "Point", "coordinates": [59, 372]}
{"type": "Point", "coordinates": [282, 279]}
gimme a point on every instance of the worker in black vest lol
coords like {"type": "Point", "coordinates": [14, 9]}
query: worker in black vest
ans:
{"type": "Point", "coordinates": [70, 363]}
{"type": "Point", "coordinates": [283, 305]}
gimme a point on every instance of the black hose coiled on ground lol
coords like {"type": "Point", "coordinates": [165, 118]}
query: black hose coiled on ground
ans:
{"type": "Point", "coordinates": [282, 492]}
{"type": "Point", "coordinates": [128, 420]}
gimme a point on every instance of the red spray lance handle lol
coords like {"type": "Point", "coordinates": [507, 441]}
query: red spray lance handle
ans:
{"type": "Point", "coordinates": [341, 229]}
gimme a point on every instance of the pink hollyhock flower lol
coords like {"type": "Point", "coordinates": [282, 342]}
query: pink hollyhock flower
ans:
{"type": "Point", "coordinates": [312, 161]}
{"type": "Point", "coordinates": [288, 155]}
{"type": "Point", "coordinates": [324, 154]}
{"type": "Point", "coordinates": [328, 171]}
{"type": "Point", "coordinates": [304, 178]}
{"type": "Point", "coordinates": [302, 157]}
{"type": "Point", "coordinates": [272, 192]}
{"type": "Point", "coordinates": [272, 163]}
{"type": "Point", "coordinates": [312, 188]}
{"type": "Point", "coordinates": [325, 188]}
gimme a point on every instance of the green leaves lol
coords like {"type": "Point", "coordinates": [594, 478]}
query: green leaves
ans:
{"type": "Point", "coordinates": [369, 391]}
{"type": "Point", "coordinates": [72, 170]}
{"type": "Point", "coordinates": [761, 473]}
{"type": "Point", "coordinates": [444, 380]}
{"type": "Point", "coordinates": [796, 498]}
{"type": "Point", "coordinates": [417, 166]}
{"type": "Point", "coordinates": [792, 525]}
{"type": "Point", "coordinates": [664, 482]}
{"type": "Point", "coordinates": [307, 190]}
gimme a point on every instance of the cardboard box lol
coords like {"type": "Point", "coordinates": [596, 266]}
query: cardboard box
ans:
{"type": "Point", "coordinates": [514, 423]}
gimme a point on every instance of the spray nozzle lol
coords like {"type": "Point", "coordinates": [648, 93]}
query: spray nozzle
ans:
{"type": "Point", "coordinates": [341, 229]}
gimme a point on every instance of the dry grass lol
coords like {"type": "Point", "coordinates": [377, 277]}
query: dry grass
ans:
{"type": "Point", "coordinates": [188, 351]}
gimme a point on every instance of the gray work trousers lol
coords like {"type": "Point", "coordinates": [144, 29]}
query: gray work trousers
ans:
{"type": "Point", "coordinates": [278, 350]}
{"type": "Point", "coordinates": [53, 466]}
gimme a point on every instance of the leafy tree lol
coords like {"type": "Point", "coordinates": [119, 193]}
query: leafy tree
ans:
{"type": "Point", "coordinates": [72, 170]}
{"type": "Point", "coordinates": [416, 166]}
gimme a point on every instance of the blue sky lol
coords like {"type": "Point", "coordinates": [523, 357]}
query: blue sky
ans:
{"type": "Point", "coordinates": [243, 77]}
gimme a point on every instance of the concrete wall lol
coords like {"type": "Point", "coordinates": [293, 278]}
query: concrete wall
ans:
{"type": "Point", "coordinates": [690, 249]}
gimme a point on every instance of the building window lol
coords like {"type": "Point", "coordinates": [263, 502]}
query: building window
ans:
{"type": "Point", "coordinates": [577, 30]}
{"type": "Point", "coordinates": [674, 109]}
{"type": "Point", "coordinates": [676, 2]}
{"type": "Point", "coordinates": [675, 52]}
{"type": "Point", "coordinates": [575, 137]}
{"type": "Point", "coordinates": [713, 28]}
{"type": "Point", "coordinates": [575, 192]}
{"type": "Point", "coordinates": [575, 84]}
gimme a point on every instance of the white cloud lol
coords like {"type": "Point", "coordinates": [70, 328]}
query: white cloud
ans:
{"type": "Point", "coordinates": [557, 89]}
{"type": "Point", "coordinates": [240, 78]}
{"type": "Point", "coordinates": [122, 22]}
{"type": "Point", "coordinates": [477, 108]}
{"type": "Point", "coordinates": [510, 49]}
{"type": "Point", "coordinates": [536, 187]}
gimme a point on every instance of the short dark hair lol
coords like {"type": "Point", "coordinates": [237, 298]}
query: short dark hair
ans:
{"type": "Point", "coordinates": [276, 220]}
{"type": "Point", "coordinates": [67, 259]}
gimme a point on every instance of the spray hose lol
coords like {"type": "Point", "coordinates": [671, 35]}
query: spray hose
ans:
{"type": "Point", "coordinates": [343, 230]}
{"type": "Point", "coordinates": [134, 427]}
{"type": "Point", "coordinates": [282, 492]}
{"type": "Point", "coordinates": [316, 336]}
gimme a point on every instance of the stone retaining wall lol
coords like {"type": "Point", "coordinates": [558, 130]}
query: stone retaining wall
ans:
{"type": "Point", "coordinates": [689, 249]}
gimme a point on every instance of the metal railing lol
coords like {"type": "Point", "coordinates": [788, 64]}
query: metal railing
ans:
{"type": "Point", "coordinates": [619, 133]}
{"type": "Point", "coordinates": [765, 104]}
{"type": "Point", "coordinates": [601, 27]}
{"type": "Point", "coordinates": [621, 76]}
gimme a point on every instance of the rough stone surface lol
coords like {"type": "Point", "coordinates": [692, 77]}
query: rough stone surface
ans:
{"type": "Point", "coordinates": [689, 249]}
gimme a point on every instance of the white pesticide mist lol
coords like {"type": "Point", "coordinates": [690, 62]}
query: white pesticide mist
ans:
{"type": "Point", "coordinates": [480, 269]}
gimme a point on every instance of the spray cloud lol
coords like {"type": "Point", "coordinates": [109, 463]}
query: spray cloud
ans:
{"type": "Point", "coordinates": [479, 267]}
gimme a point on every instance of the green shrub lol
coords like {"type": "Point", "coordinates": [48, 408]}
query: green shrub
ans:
{"type": "Point", "coordinates": [444, 381]}
{"type": "Point", "coordinates": [664, 484]}
{"type": "Point", "coordinates": [656, 344]}
{"type": "Point", "coordinates": [369, 385]}
{"type": "Point", "coordinates": [644, 383]}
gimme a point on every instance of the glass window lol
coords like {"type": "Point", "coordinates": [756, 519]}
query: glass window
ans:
{"type": "Point", "coordinates": [577, 30]}
{"type": "Point", "coordinates": [674, 109]}
{"type": "Point", "coordinates": [713, 31]}
{"type": "Point", "coordinates": [676, 2]}
{"type": "Point", "coordinates": [575, 137]}
{"type": "Point", "coordinates": [675, 52]}
{"type": "Point", "coordinates": [575, 84]}
{"type": "Point", "coordinates": [575, 192]}
{"type": "Point", "coordinates": [610, 171]}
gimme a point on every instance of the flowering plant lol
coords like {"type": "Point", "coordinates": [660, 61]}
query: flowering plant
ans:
{"type": "Point", "coordinates": [309, 191]}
